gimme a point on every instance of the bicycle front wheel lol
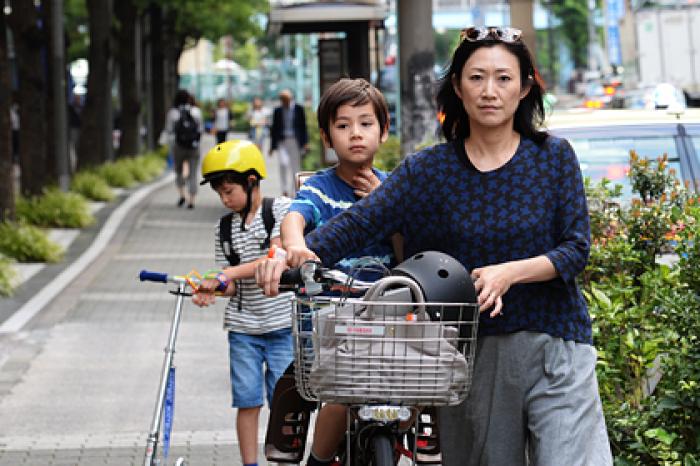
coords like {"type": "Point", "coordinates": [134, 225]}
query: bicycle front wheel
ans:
{"type": "Point", "coordinates": [383, 450]}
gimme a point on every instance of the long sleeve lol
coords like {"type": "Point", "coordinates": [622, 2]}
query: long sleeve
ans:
{"type": "Point", "coordinates": [572, 222]}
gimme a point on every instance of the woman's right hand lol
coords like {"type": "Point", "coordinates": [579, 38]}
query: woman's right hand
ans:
{"type": "Point", "coordinates": [297, 255]}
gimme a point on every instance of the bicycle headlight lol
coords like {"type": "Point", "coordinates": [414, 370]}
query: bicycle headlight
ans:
{"type": "Point", "coordinates": [384, 413]}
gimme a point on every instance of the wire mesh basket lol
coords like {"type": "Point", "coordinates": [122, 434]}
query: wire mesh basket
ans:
{"type": "Point", "coordinates": [357, 352]}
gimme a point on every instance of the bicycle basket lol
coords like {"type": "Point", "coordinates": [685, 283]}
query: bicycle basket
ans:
{"type": "Point", "coordinates": [355, 352]}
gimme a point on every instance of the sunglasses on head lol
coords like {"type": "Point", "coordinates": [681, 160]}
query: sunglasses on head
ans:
{"type": "Point", "coordinates": [505, 34]}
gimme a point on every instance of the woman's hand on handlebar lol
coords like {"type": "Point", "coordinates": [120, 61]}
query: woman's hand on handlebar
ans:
{"type": "Point", "coordinates": [491, 283]}
{"type": "Point", "coordinates": [297, 255]}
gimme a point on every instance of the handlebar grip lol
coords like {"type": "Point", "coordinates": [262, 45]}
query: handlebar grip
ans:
{"type": "Point", "coordinates": [291, 277]}
{"type": "Point", "coordinates": [145, 275]}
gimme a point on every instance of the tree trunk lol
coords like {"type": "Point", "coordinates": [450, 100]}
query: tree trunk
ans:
{"type": "Point", "coordinates": [7, 188]}
{"type": "Point", "coordinates": [95, 144]}
{"type": "Point", "coordinates": [51, 171]}
{"type": "Point", "coordinates": [157, 70]}
{"type": "Point", "coordinates": [126, 13]}
{"type": "Point", "coordinates": [31, 70]}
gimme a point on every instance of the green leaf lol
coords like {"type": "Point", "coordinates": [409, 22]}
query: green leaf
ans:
{"type": "Point", "coordinates": [661, 435]}
{"type": "Point", "coordinates": [601, 297]}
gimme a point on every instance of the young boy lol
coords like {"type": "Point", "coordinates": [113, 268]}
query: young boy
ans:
{"type": "Point", "coordinates": [259, 327]}
{"type": "Point", "coordinates": [353, 119]}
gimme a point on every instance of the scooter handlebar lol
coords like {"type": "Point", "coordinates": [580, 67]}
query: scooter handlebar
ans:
{"type": "Point", "coordinates": [146, 275]}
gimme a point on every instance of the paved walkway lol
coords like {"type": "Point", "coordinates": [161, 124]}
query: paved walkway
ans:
{"type": "Point", "coordinates": [78, 381]}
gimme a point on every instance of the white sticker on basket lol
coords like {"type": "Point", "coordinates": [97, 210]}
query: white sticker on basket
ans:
{"type": "Point", "coordinates": [372, 330]}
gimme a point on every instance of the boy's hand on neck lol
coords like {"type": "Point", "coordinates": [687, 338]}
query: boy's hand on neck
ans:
{"type": "Point", "coordinates": [365, 181]}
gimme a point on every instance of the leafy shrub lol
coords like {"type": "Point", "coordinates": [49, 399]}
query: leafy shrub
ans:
{"type": "Point", "coordinates": [116, 174]}
{"type": "Point", "coordinates": [92, 186]}
{"type": "Point", "coordinates": [646, 316]}
{"type": "Point", "coordinates": [389, 154]}
{"type": "Point", "coordinates": [27, 243]}
{"type": "Point", "coordinates": [55, 208]}
{"type": "Point", "coordinates": [8, 275]}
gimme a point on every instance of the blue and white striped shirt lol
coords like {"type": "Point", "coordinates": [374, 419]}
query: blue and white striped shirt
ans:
{"type": "Point", "coordinates": [325, 195]}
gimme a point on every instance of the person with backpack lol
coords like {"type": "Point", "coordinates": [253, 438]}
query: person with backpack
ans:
{"type": "Point", "coordinates": [185, 126]}
{"type": "Point", "coordinates": [259, 327]}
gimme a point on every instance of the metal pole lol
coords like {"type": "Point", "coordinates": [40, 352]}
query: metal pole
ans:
{"type": "Point", "coordinates": [591, 36]}
{"type": "Point", "coordinates": [152, 442]}
{"type": "Point", "coordinates": [60, 125]}
{"type": "Point", "coordinates": [416, 60]}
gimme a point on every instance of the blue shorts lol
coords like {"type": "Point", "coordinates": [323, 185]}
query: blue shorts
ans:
{"type": "Point", "coordinates": [249, 356]}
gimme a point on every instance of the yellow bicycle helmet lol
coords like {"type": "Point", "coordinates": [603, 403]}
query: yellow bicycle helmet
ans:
{"type": "Point", "coordinates": [236, 155]}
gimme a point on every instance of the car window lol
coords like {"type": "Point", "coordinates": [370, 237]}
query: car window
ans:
{"type": "Point", "coordinates": [609, 157]}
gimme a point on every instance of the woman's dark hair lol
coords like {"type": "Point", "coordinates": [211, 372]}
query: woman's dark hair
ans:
{"type": "Point", "coordinates": [353, 92]}
{"type": "Point", "coordinates": [182, 97]}
{"type": "Point", "coordinates": [530, 112]}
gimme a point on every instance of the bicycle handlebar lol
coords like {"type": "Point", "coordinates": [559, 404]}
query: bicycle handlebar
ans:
{"type": "Point", "coordinates": [311, 278]}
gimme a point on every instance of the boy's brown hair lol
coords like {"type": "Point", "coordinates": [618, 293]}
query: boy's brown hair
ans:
{"type": "Point", "coordinates": [352, 92]}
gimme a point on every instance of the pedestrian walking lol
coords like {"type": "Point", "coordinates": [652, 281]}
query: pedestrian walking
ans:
{"type": "Point", "coordinates": [75, 109]}
{"type": "Point", "coordinates": [259, 327]}
{"type": "Point", "coordinates": [507, 200]}
{"type": "Point", "coordinates": [184, 126]}
{"type": "Point", "coordinates": [258, 120]}
{"type": "Point", "coordinates": [288, 138]}
{"type": "Point", "coordinates": [222, 120]}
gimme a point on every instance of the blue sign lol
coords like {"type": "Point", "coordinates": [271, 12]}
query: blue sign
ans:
{"type": "Point", "coordinates": [616, 10]}
{"type": "Point", "coordinates": [614, 46]}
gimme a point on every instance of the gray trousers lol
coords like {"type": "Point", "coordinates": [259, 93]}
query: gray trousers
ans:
{"type": "Point", "coordinates": [534, 401]}
{"type": "Point", "coordinates": [180, 155]}
{"type": "Point", "coordinates": [290, 164]}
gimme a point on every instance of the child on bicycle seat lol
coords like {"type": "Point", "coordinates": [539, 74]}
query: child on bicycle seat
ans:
{"type": "Point", "coordinates": [259, 327]}
{"type": "Point", "coordinates": [353, 119]}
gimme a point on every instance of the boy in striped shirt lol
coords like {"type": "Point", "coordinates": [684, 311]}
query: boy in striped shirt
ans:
{"type": "Point", "coordinates": [259, 327]}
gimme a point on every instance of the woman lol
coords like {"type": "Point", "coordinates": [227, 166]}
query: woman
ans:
{"type": "Point", "coordinates": [258, 120]}
{"type": "Point", "coordinates": [222, 117]}
{"type": "Point", "coordinates": [508, 202]}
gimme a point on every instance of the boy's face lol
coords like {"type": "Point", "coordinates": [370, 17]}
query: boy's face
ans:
{"type": "Point", "coordinates": [233, 196]}
{"type": "Point", "coordinates": [355, 134]}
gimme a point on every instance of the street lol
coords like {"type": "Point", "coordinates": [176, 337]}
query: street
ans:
{"type": "Point", "coordinates": [78, 382]}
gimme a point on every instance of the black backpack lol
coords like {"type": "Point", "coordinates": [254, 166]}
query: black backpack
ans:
{"type": "Point", "coordinates": [186, 130]}
{"type": "Point", "coordinates": [225, 231]}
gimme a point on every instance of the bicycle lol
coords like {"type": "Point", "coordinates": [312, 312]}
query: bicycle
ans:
{"type": "Point", "coordinates": [162, 415]}
{"type": "Point", "coordinates": [390, 357]}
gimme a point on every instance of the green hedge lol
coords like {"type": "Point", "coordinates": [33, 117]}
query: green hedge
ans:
{"type": "Point", "coordinates": [8, 276]}
{"type": "Point", "coordinates": [92, 186]}
{"type": "Point", "coordinates": [55, 208]}
{"type": "Point", "coordinates": [27, 243]}
{"type": "Point", "coordinates": [646, 316]}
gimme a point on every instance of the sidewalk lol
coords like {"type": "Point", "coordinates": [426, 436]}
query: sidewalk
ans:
{"type": "Point", "coordinates": [78, 381]}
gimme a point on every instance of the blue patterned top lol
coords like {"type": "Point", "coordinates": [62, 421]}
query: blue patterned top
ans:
{"type": "Point", "coordinates": [534, 204]}
{"type": "Point", "coordinates": [325, 195]}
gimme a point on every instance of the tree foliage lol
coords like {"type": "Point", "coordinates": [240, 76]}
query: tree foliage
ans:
{"type": "Point", "coordinates": [573, 15]}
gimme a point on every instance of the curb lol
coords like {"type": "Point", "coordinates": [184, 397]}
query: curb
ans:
{"type": "Point", "coordinates": [31, 308]}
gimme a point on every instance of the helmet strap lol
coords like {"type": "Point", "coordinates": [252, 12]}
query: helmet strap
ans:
{"type": "Point", "coordinates": [248, 203]}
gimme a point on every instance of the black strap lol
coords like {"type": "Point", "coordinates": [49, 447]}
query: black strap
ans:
{"type": "Point", "coordinates": [225, 239]}
{"type": "Point", "coordinates": [225, 231]}
{"type": "Point", "coordinates": [268, 219]}
{"type": "Point", "coordinates": [227, 246]}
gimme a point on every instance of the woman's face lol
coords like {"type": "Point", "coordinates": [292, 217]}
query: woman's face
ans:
{"type": "Point", "coordinates": [490, 87]}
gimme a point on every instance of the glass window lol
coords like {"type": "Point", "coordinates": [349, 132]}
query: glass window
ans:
{"type": "Point", "coordinates": [609, 157]}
